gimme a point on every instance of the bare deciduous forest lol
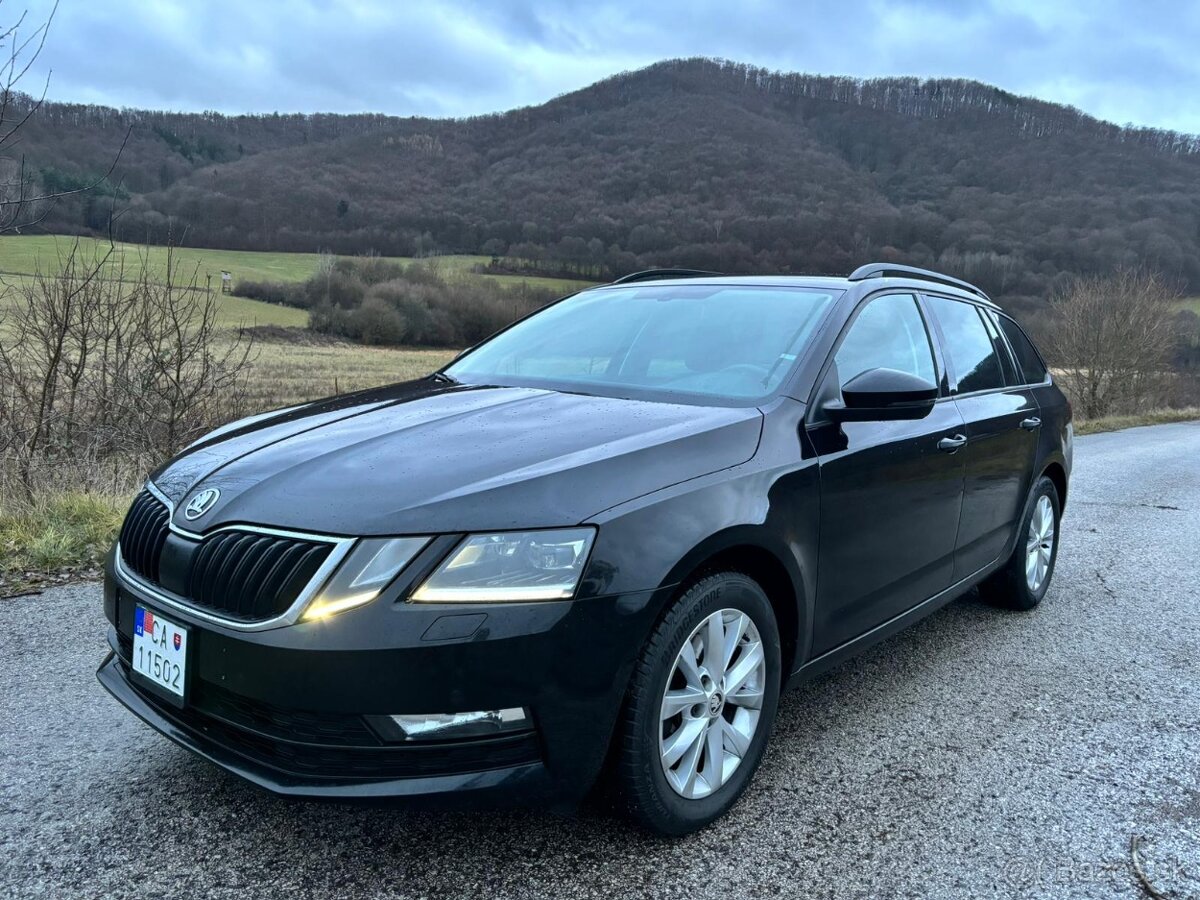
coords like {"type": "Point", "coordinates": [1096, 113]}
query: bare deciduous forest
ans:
{"type": "Point", "coordinates": [694, 162]}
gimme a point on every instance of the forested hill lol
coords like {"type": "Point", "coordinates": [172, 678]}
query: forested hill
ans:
{"type": "Point", "coordinates": [688, 162]}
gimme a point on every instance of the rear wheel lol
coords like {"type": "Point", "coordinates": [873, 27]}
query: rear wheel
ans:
{"type": "Point", "coordinates": [700, 706]}
{"type": "Point", "coordinates": [1025, 578]}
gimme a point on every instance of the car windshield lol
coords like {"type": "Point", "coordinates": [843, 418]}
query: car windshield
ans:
{"type": "Point", "coordinates": [734, 342]}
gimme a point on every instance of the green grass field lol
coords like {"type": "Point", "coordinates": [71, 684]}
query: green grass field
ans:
{"type": "Point", "coordinates": [23, 255]}
{"type": "Point", "coordinates": [1192, 303]}
{"type": "Point", "coordinates": [233, 312]}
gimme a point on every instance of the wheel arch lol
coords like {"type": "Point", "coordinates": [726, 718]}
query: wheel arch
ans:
{"type": "Point", "coordinates": [771, 564]}
{"type": "Point", "coordinates": [1055, 471]}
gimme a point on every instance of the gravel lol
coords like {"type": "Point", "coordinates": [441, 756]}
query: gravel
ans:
{"type": "Point", "coordinates": [981, 753]}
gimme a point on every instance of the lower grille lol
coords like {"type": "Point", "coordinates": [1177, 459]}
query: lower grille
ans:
{"type": "Point", "coordinates": [329, 746]}
{"type": "Point", "coordinates": [250, 576]}
{"type": "Point", "coordinates": [284, 724]}
{"type": "Point", "coordinates": [400, 761]}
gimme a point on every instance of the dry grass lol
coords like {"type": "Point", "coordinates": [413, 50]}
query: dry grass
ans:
{"type": "Point", "coordinates": [285, 374]}
{"type": "Point", "coordinates": [1153, 417]}
{"type": "Point", "coordinates": [61, 537]}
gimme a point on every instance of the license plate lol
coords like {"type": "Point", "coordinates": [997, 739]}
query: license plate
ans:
{"type": "Point", "coordinates": [160, 651]}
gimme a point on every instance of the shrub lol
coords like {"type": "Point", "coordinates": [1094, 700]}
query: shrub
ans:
{"type": "Point", "coordinates": [419, 306]}
{"type": "Point", "coordinates": [277, 292]}
{"type": "Point", "coordinates": [101, 362]}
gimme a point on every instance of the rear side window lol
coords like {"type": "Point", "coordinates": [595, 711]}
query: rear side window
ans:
{"type": "Point", "coordinates": [1032, 368]}
{"type": "Point", "coordinates": [968, 344]}
{"type": "Point", "coordinates": [889, 333]}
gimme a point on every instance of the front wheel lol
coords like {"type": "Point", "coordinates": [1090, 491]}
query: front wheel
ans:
{"type": "Point", "coordinates": [700, 706]}
{"type": "Point", "coordinates": [1025, 578]}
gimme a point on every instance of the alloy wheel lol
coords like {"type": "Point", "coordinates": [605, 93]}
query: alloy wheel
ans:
{"type": "Point", "coordinates": [712, 704]}
{"type": "Point", "coordinates": [1039, 545]}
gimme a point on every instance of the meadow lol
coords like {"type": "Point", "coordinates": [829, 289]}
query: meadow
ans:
{"type": "Point", "coordinates": [24, 255]}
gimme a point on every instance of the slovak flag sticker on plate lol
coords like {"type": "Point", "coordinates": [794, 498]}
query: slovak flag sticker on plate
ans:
{"type": "Point", "coordinates": [143, 623]}
{"type": "Point", "coordinates": [178, 640]}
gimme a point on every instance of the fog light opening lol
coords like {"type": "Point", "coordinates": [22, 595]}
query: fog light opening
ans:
{"type": "Point", "coordinates": [448, 726]}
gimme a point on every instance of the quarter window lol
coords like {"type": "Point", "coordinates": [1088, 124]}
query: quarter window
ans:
{"type": "Point", "coordinates": [889, 333]}
{"type": "Point", "coordinates": [968, 344]}
{"type": "Point", "coordinates": [1033, 369]}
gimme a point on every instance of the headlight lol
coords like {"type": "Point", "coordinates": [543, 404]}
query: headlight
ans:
{"type": "Point", "coordinates": [512, 566]}
{"type": "Point", "coordinates": [369, 568]}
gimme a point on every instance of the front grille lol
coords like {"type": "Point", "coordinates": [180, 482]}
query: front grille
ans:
{"type": "Point", "coordinates": [250, 576]}
{"type": "Point", "coordinates": [143, 535]}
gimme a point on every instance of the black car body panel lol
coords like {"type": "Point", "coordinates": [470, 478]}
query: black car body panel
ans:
{"type": "Point", "coordinates": [853, 529]}
{"type": "Point", "coordinates": [439, 459]}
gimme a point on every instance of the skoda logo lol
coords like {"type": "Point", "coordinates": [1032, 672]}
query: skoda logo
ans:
{"type": "Point", "coordinates": [201, 503]}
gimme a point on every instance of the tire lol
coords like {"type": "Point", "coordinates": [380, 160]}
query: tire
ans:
{"type": "Point", "coordinates": [679, 796]}
{"type": "Point", "coordinates": [1014, 586]}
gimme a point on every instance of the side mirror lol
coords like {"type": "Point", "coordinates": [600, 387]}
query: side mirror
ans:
{"type": "Point", "coordinates": [883, 395]}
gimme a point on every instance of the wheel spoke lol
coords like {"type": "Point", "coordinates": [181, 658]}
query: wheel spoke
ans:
{"type": "Point", "coordinates": [747, 665]}
{"type": "Point", "coordinates": [714, 751]}
{"type": "Point", "coordinates": [714, 646]}
{"type": "Point", "coordinates": [747, 698]}
{"type": "Point", "coordinates": [688, 665]}
{"type": "Point", "coordinates": [675, 702]}
{"type": "Point", "coordinates": [679, 743]}
{"type": "Point", "coordinates": [689, 765]}
{"type": "Point", "coordinates": [739, 743]}
{"type": "Point", "coordinates": [734, 632]}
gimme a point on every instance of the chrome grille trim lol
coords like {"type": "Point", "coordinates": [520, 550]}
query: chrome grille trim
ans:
{"type": "Point", "coordinates": [341, 547]}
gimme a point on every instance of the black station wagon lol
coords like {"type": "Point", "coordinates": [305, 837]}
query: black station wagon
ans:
{"type": "Point", "coordinates": [603, 540]}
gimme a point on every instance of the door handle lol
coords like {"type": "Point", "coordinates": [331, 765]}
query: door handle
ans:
{"type": "Point", "coordinates": [953, 443]}
{"type": "Point", "coordinates": [1031, 424]}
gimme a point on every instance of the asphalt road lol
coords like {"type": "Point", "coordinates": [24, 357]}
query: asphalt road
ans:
{"type": "Point", "coordinates": [980, 754]}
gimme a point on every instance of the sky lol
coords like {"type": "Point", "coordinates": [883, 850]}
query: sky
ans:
{"type": "Point", "coordinates": [1127, 62]}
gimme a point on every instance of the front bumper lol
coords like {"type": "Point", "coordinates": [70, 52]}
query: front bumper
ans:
{"type": "Point", "coordinates": [285, 708]}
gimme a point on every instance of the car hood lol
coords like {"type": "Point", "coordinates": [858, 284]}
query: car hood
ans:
{"type": "Point", "coordinates": [426, 457]}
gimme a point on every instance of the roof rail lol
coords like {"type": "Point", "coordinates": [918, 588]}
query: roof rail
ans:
{"type": "Point", "coordinates": [890, 270]}
{"type": "Point", "coordinates": [657, 274]}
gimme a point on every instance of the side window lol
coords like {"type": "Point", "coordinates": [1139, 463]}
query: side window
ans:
{"type": "Point", "coordinates": [1007, 363]}
{"type": "Point", "coordinates": [889, 333]}
{"type": "Point", "coordinates": [1033, 370]}
{"type": "Point", "coordinates": [968, 344]}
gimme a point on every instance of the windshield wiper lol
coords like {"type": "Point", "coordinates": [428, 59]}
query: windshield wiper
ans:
{"type": "Point", "coordinates": [444, 378]}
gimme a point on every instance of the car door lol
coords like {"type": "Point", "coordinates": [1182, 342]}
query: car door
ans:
{"type": "Point", "coordinates": [1002, 424]}
{"type": "Point", "coordinates": [890, 497]}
